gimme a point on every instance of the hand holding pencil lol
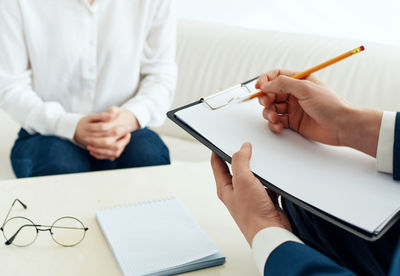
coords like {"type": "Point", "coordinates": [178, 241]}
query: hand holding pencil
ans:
{"type": "Point", "coordinates": [314, 69]}
{"type": "Point", "coordinates": [306, 106]}
{"type": "Point", "coordinates": [312, 109]}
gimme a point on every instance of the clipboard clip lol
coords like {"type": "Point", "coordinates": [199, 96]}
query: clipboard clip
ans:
{"type": "Point", "coordinates": [208, 99]}
{"type": "Point", "coordinates": [235, 93]}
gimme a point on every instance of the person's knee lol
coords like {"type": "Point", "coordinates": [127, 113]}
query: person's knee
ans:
{"type": "Point", "coordinates": [47, 156]}
{"type": "Point", "coordinates": [22, 167]}
{"type": "Point", "coordinates": [145, 149]}
{"type": "Point", "coordinates": [63, 165]}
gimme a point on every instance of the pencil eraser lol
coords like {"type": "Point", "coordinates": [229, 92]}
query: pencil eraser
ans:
{"type": "Point", "coordinates": [362, 48]}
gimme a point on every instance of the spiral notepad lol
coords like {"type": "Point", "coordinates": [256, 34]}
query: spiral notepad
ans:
{"type": "Point", "coordinates": [157, 238]}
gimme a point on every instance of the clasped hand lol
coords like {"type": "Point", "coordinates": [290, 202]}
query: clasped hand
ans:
{"type": "Point", "coordinates": [105, 135]}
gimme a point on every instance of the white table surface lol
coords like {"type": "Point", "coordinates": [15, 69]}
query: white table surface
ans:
{"type": "Point", "coordinates": [80, 195]}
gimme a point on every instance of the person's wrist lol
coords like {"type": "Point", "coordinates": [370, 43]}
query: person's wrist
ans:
{"type": "Point", "coordinates": [360, 129]}
{"type": "Point", "coordinates": [76, 138]}
{"type": "Point", "coordinates": [346, 120]}
{"type": "Point", "coordinates": [134, 122]}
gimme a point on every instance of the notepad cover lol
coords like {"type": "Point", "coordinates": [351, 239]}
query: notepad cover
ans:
{"type": "Point", "coordinates": [157, 238]}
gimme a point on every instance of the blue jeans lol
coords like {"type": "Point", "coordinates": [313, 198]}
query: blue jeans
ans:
{"type": "Point", "coordinates": [38, 155]}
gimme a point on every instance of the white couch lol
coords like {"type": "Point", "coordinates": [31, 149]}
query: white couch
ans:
{"type": "Point", "coordinates": [217, 56]}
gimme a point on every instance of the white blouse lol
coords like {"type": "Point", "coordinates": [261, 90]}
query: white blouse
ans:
{"type": "Point", "coordinates": [63, 59]}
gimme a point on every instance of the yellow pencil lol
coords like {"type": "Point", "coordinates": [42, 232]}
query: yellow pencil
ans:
{"type": "Point", "coordinates": [308, 72]}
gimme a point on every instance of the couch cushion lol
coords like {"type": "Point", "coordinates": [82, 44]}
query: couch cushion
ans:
{"type": "Point", "coordinates": [8, 135]}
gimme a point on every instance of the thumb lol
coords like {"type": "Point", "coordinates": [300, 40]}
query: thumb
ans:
{"type": "Point", "coordinates": [285, 84]}
{"type": "Point", "coordinates": [241, 160]}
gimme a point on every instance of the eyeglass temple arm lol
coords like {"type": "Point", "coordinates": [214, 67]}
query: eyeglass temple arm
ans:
{"type": "Point", "coordinates": [15, 200]}
{"type": "Point", "coordinates": [10, 240]}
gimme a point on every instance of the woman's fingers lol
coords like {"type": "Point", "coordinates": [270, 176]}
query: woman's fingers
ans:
{"type": "Point", "coordinates": [101, 117]}
{"type": "Point", "coordinates": [101, 142]}
{"type": "Point", "coordinates": [109, 151]}
{"type": "Point", "coordinates": [101, 127]}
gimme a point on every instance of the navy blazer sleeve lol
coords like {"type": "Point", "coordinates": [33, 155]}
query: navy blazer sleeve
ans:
{"type": "Point", "coordinates": [396, 149]}
{"type": "Point", "coordinates": [292, 258]}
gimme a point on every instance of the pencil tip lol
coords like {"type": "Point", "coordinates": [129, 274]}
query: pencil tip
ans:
{"type": "Point", "coordinates": [243, 100]}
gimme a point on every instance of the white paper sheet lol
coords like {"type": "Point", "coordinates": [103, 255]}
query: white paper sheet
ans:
{"type": "Point", "coordinates": [340, 181]}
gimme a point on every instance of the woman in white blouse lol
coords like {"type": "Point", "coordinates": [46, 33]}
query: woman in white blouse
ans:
{"type": "Point", "coordinates": [84, 78]}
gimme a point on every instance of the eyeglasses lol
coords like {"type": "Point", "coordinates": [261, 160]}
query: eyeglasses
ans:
{"type": "Point", "coordinates": [21, 231]}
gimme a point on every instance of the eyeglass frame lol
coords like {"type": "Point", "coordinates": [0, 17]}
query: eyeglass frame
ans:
{"type": "Point", "coordinates": [48, 228]}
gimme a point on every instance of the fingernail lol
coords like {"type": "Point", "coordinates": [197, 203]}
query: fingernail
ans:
{"type": "Point", "coordinates": [269, 116]}
{"type": "Point", "coordinates": [245, 145]}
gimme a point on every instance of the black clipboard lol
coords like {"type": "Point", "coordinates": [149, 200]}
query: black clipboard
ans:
{"type": "Point", "coordinates": [314, 210]}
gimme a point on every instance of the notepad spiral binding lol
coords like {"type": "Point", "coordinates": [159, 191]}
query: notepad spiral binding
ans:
{"type": "Point", "coordinates": [140, 203]}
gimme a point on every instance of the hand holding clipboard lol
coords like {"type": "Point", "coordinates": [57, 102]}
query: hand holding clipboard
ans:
{"type": "Point", "coordinates": [318, 173]}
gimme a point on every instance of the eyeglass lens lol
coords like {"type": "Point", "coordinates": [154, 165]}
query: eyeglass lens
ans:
{"type": "Point", "coordinates": [20, 231]}
{"type": "Point", "coordinates": [68, 231]}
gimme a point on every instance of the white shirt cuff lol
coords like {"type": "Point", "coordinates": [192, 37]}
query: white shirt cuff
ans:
{"type": "Point", "coordinates": [66, 126]}
{"type": "Point", "coordinates": [384, 155]}
{"type": "Point", "coordinates": [266, 240]}
{"type": "Point", "coordinates": [140, 111]}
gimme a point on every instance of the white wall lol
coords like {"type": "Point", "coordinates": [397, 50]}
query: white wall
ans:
{"type": "Point", "coordinates": [365, 20]}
